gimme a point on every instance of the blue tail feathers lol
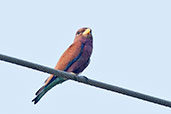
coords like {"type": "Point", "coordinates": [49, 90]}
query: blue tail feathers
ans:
{"type": "Point", "coordinates": [42, 91]}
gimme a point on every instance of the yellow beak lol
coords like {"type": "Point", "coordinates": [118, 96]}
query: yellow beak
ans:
{"type": "Point", "coordinates": [87, 31]}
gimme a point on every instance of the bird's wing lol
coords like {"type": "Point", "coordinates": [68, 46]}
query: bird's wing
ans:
{"type": "Point", "coordinates": [70, 56]}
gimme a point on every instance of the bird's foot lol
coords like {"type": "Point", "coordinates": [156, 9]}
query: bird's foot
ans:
{"type": "Point", "coordinates": [85, 78]}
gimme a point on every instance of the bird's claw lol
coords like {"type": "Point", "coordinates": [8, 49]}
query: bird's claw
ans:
{"type": "Point", "coordinates": [85, 78]}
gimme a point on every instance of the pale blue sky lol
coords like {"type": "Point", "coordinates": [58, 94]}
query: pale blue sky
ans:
{"type": "Point", "coordinates": [132, 43]}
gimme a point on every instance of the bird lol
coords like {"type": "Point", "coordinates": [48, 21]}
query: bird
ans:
{"type": "Point", "coordinates": [74, 60]}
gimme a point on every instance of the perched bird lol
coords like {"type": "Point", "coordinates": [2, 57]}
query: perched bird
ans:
{"type": "Point", "coordinates": [74, 60]}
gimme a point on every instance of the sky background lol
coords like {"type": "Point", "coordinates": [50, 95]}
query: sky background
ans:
{"type": "Point", "coordinates": [132, 43]}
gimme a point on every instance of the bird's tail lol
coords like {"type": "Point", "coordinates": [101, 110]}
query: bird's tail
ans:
{"type": "Point", "coordinates": [51, 83]}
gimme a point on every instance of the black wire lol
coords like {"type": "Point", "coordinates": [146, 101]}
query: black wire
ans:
{"type": "Point", "coordinates": [86, 80]}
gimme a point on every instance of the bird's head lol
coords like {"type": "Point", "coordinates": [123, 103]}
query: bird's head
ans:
{"type": "Point", "coordinates": [83, 33]}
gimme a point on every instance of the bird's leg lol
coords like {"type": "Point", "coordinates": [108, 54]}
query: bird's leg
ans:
{"type": "Point", "coordinates": [75, 78]}
{"type": "Point", "coordinates": [85, 78]}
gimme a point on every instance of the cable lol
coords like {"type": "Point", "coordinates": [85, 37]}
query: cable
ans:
{"type": "Point", "coordinates": [86, 80]}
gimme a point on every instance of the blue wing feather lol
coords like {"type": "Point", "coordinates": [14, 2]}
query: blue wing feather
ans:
{"type": "Point", "coordinates": [75, 59]}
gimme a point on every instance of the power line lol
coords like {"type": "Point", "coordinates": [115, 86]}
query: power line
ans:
{"type": "Point", "coordinates": [85, 80]}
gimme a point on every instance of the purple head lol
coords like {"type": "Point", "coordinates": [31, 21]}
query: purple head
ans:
{"type": "Point", "coordinates": [84, 35]}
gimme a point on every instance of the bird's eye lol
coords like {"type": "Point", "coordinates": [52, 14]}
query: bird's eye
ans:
{"type": "Point", "coordinates": [78, 33]}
